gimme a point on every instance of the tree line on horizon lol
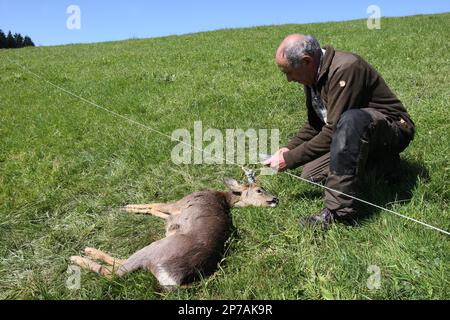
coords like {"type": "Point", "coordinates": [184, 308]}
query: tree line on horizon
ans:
{"type": "Point", "coordinates": [11, 41]}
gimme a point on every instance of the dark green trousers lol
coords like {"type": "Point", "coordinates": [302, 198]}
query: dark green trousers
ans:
{"type": "Point", "coordinates": [373, 142]}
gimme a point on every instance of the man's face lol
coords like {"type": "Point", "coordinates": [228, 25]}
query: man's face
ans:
{"type": "Point", "coordinates": [303, 74]}
{"type": "Point", "coordinates": [291, 74]}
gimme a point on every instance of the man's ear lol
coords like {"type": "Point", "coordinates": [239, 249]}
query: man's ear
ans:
{"type": "Point", "coordinates": [306, 60]}
{"type": "Point", "coordinates": [233, 185]}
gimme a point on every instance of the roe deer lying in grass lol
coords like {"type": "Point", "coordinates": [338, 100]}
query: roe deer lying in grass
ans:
{"type": "Point", "coordinates": [196, 231]}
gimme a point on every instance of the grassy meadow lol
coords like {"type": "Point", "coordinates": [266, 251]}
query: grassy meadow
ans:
{"type": "Point", "coordinates": [67, 167]}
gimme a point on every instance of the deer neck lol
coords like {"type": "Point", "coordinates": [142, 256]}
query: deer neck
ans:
{"type": "Point", "coordinates": [234, 200]}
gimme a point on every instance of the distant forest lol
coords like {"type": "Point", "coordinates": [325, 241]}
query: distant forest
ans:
{"type": "Point", "coordinates": [11, 41]}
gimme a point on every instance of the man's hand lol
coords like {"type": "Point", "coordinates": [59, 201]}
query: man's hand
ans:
{"type": "Point", "coordinates": [276, 161]}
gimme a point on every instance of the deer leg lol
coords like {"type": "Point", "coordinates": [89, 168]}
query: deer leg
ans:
{"type": "Point", "coordinates": [156, 209]}
{"type": "Point", "coordinates": [87, 264]}
{"type": "Point", "coordinates": [167, 208]}
{"type": "Point", "coordinates": [101, 256]}
{"type": "Point", "coordinates": [145, 209]}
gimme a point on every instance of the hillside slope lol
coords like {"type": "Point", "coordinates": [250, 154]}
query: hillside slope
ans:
{"type": "Point", "coordinates": [66, 166]}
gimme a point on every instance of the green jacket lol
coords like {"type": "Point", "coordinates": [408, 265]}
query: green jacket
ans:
{"type": "Point", "coordinates": [345, 81]}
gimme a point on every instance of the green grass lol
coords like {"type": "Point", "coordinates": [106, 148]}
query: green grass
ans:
{"type": "Point", "coordinates": [66, 167]}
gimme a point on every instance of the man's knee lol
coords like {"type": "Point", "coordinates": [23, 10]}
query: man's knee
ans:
{"type": "Point", "coordinates": [317, 170]}
{"type": "Point", "coordinates": [347, 141]}
{"type": "Point", "coordinates": [318, 177]}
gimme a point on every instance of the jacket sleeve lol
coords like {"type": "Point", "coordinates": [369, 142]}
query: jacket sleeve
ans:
{"type": "Point", "coordinates": [346, 88]}
{"type": "Point", "coordinates": [306, 133]}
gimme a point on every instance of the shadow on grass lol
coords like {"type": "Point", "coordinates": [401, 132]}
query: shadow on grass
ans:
{"type": "Point", "coordinates": [379, 190]}
{"type": "Point", "coordinates": [384, 192]}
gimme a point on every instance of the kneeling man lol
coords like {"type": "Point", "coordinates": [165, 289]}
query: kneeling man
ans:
{"type": "Point", "coordinates": [354, 122]}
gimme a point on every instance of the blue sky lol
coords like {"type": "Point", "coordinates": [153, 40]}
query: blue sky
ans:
{"type": "Point", "coordinates": [101, 20]}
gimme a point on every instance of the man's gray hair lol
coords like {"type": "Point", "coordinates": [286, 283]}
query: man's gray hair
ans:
{"type": "Point", "coordinates": [297, 49]}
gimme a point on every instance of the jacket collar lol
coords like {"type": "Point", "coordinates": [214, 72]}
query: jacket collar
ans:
{"type": "Point", "coordinates": [327, 59]}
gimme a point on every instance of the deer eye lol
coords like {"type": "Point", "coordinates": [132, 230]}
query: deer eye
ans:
{"type": "Point", "coordinates": [258, 191]}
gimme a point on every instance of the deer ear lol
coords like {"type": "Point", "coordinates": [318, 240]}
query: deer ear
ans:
{"type": "Point", "coordinates": [233, 185]}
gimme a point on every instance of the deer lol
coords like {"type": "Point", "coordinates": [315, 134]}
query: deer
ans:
{"type": "Point", "coordinates": [197, 229]}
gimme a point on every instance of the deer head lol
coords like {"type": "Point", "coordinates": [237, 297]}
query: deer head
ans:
{"type": "Point", "coordinates": [250, 194]}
